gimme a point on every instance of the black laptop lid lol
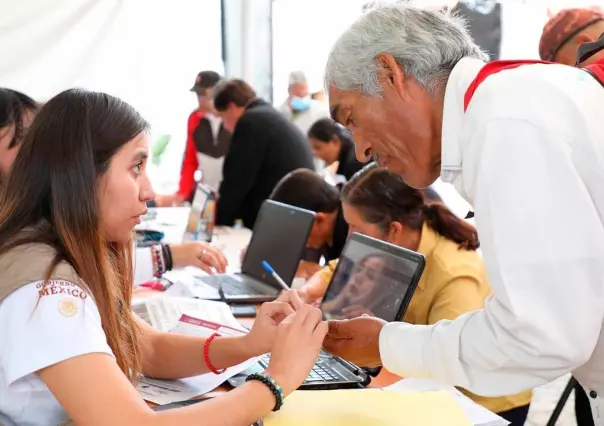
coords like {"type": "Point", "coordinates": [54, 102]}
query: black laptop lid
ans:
{"type": "Point", "coordinates": [279, 237]}
{"type": "Point", "coordinates": [374, 278]}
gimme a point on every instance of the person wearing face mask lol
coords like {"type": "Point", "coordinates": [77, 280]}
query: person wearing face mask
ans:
{"type": "Point", "coordinates": [300, 108]}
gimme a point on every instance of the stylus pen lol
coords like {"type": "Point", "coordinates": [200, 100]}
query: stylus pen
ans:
{"type": "Point", "coordinates": [268, 268]}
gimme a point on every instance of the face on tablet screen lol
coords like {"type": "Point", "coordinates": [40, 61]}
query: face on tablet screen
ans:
{"type": "Point", "coordinates": [367, 281]}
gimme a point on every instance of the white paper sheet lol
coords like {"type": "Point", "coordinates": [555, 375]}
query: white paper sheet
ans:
{"type": "Point", "coordinates": [477, 414]}
{"type": "Point", "coordinates": [163, 312]}
{"type": "Point", "coordinates": [167, 391]}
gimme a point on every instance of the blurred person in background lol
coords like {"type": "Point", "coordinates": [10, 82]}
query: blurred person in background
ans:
{"type": "Point", "coordinates": [567, 30]}
{"type": "Point", "coordinates": [265, 146]}
{"type": "Point", "coordinates": [301, 108]}
{"type": "Point", "coordinates": [17, 112]}
{"type": "Point", "coordinates": [207, 144]}
{"type": "Point", "coordinates": [332, 143]}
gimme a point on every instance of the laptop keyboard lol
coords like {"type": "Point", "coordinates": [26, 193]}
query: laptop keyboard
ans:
{"type": "Point", "coordinates": [230, 286]}
{"type": "Point", "coordinates": [317, 374]}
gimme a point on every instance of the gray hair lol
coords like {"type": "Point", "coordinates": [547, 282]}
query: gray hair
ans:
{"type": "Point", "coordinates": [426, 44]}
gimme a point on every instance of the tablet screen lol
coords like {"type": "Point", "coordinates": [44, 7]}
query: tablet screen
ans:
{"type": "Point", "coordinates": [368, 281]}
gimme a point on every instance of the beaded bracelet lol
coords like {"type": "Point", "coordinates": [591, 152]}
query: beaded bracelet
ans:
{"type": "Point", "coordinates": [206, 354]}
{"type": "Point", "coordinates": [273, 386]}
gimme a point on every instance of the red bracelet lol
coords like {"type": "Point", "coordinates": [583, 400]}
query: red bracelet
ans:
{"type": "Point", "coordinates": [206, 354]}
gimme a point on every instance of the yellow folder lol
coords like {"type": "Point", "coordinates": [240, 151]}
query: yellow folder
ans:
{"type": "Point", "coordinates": [372, 407]}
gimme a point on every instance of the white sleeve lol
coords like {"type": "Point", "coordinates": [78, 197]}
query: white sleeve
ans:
{"type": "Point", "coordinates": [543, 245]}
{"type": "Point", "coordinates": [143, 265]}
{"type": "Point", "coordinates": [65, 323]}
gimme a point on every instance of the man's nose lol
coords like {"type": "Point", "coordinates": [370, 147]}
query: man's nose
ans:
{"type": "Point", "coordinates": [363, 151]}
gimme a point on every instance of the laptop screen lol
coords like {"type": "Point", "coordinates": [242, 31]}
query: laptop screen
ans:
{"type": "Point", "coordinates": [373, 278]}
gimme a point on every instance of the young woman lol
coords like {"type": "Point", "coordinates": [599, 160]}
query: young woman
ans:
{"type": "Point", "coordinates": [378, 203]}
{"type": "Point", "coordinates": [70, 346]}
{"type": "Point", "coordinates": [17, 112]}
{"type": "Point", "coordinates": [331, 142]}
{"type": "Point", "coordinates": [306, 189]}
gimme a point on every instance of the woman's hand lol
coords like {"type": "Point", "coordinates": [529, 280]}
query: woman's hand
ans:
{"type": "Point", "coordinates": [199, 254]}
{"type": "Point", "coordinates": [297, 345]}
{"type": "Point", "coordinates": [261, 338]}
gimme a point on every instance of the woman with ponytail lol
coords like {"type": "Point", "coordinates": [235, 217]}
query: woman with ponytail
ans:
{"type": "Point", "coordinates": [378, 203]}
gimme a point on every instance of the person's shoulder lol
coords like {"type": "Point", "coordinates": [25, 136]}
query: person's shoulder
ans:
{"type": "Point", "coordinates": [450, 261]}
{"type": "Point", "coordinates": [31, 262]}
{"type": "Point", "coordinates": [533, 92]}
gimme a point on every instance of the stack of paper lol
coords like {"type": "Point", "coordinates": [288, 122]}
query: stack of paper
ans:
{"type": "Point", "coordinates": [167, 391]}
{"type": "Point", "coordinates": [163, 312]}
{"type": "Point", "coordinates": [368, 408]}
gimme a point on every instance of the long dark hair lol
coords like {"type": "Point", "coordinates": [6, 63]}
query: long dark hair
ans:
{"type": "Point", "coordinates": [305, 189]}
{"type": "Point", "coordinates": [52, 192]}
{"type": "Point", "coordinates": [13, 104]}
{"type": "Point", "coordinates": [325, 129]}
{"type": "Point", "coordinates": [382, 197]}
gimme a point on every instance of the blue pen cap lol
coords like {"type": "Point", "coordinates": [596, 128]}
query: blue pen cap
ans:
{"type": "Point", "coordinates": [267, 267]}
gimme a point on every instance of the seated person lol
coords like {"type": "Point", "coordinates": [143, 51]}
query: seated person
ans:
{"type": "Point", "coordinates": [74, 348]}
{"type": "Point", "coordinates": [333, 143]}
{"type": "Point", "coordinates": [377, 202]}
{"type": "Point", "coordinates": [265, 146]}
{"type": "Point", "coordinates": [308, 190]}
{"type": "Point", "coordinates": [17, 112]}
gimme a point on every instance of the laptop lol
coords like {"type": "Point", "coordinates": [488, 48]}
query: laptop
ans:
{"type": "Point", "coordinates": [279, 237]}
{"type": "Point", "coordinates": [372, 277]}
{"type": "Point", "coordinates": [201, 217]}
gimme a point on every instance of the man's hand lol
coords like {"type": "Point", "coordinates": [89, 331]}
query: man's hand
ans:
{"type": "Point", "coordinates": [356, 340]}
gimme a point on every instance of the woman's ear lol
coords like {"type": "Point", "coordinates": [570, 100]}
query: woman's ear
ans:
{"type": "Point", "coordinates": [395, 232]}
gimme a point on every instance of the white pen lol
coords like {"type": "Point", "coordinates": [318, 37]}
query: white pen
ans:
{"type": "Point", "coordinates": [276, 276]}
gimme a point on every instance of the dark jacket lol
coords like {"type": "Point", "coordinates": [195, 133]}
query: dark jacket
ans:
{"type": "Point", "coordinates": [265, 146]}
{"type": "Point", "coordinates": [348, 163]}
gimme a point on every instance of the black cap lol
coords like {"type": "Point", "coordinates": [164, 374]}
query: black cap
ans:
{"type": "Point", "coordinates": [205, 80]}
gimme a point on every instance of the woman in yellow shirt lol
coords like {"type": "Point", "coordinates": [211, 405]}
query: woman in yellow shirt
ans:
{"type": "Point", "coordinates": [378, 203]}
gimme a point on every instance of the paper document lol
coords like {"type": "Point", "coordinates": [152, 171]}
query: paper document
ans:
{"type": "Point", "coordinates": [477, 414]}
{"type": "Point", "coordinates": [163, 312]}
{"type": "Point", "coordinates": [167, 391]}
{"type": "Point", "coordinates": [372, 407]}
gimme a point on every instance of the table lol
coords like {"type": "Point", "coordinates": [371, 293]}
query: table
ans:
{"type": "Point", "coordinates": [172, 221]}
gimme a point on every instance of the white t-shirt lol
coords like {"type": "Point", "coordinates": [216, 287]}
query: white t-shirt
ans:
{"type": "Point", "coordinates": [66, 323]}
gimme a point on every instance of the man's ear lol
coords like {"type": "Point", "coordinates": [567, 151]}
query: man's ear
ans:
{"type": "Point", "coordinates": [390, 73]}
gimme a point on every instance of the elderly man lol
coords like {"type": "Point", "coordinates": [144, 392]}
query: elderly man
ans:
{"type": "Point", "coordinates": [528, 153]}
